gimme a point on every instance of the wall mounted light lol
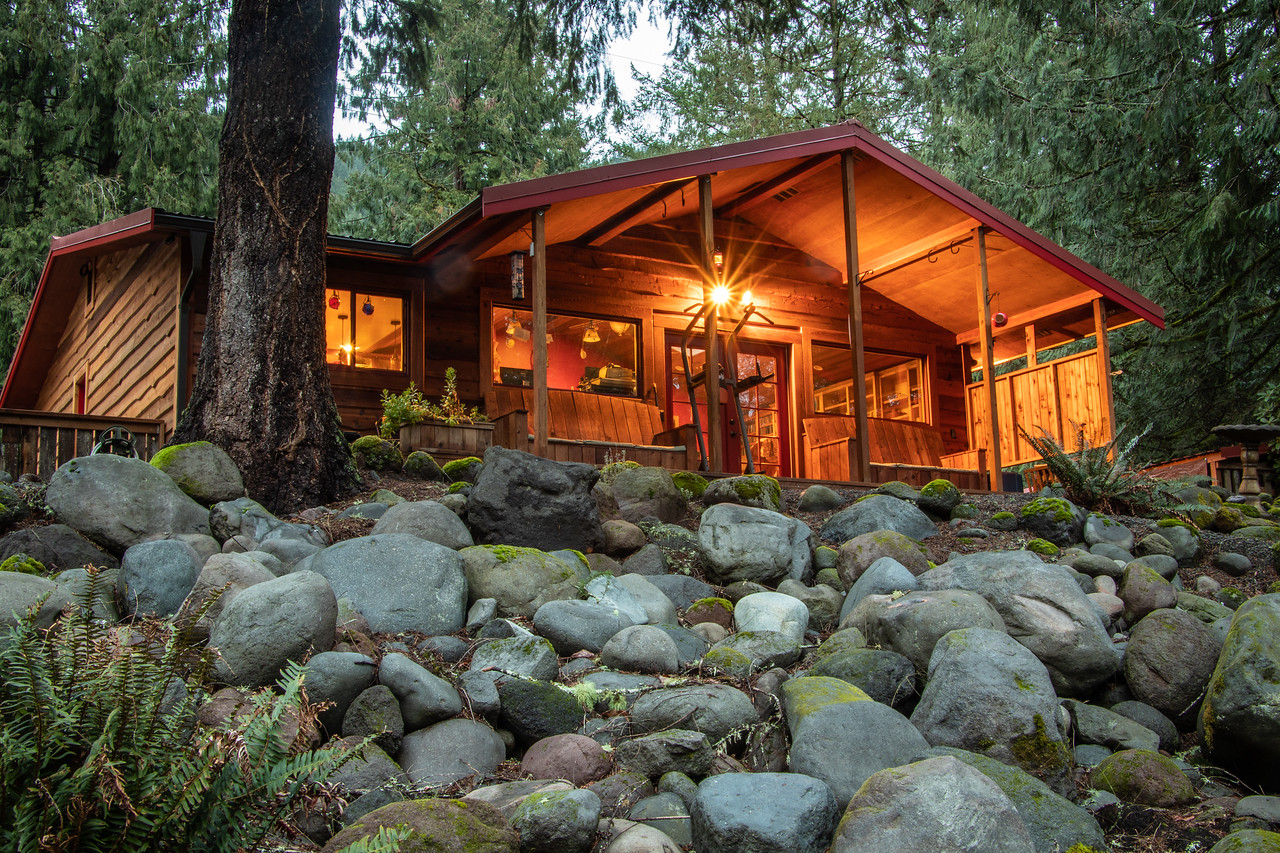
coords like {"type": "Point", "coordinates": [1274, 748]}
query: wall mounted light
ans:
{"type": "Point", "coordinates": [717, 259]}
{"type": "Point", "coordinates": [720, 294]}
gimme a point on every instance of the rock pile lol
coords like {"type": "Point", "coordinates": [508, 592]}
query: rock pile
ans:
{"type": "Point", "coordinates": [578, 684]}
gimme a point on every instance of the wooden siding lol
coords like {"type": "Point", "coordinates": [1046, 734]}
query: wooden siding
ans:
{"type": "Point", "coordinates": [125, 343]}
{"type": "Point", "coordinates": [1058, 396]}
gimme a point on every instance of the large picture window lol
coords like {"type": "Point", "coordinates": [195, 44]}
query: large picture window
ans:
{"type": "Point", "coordinates": [583, 354]}
{"type": "Point", "coordinates": [364, 330]}
{"type": "Point", "coordinates": [895, 384]}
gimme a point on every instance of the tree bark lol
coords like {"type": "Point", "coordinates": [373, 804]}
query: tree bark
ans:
{"type": "Point", "coordinates": [262, 391]}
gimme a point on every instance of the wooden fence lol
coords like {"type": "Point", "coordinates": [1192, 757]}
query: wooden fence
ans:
{"type": "Point", "coordinates": [38, 442]}
{"type": "Point", "coordinates": [1055, 396]}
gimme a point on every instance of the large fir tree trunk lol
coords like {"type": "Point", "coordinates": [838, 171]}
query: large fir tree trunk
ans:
{"type": "Point", "coordinates": [262, 389]}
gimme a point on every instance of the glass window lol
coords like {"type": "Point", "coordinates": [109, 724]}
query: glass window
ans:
{"type": "Point", "coordinates": [583, 354]}
{"type": "Point", "coordinates": [895, 384]}
{"type": "Point", "coordinates": [364, 330]}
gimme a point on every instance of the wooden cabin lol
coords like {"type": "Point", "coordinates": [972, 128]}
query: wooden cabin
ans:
{"type": "Point", "coordinates": [598, 285]}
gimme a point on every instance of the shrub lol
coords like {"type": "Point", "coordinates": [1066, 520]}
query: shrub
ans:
{"type": "Point", "coordinates": [1099, 477]}
{"type": "Point", "coordinates": [99, 750]}
{"type": "Point", "coordinates": [411, 407]}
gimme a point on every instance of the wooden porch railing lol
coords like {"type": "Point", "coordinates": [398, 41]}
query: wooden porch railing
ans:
{"type": "Point", "coordinates": [38, 442]}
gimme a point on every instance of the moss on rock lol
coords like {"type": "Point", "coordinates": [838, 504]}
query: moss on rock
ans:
{"type": "Point", "coordinates": [690, 483]}
{"type": "Point", "coordinates": [23, 564]}
{"type": "Point", "coordinates": [1143, 777]}
{"type": "Point", "coordinates": [1043, 547]}
{"type": "Point", "coordinates": [464, 470]}
{"type": "Point", "coordinates": [376, 454]}
{"type": "Point", "coordinates": [1057, 508]}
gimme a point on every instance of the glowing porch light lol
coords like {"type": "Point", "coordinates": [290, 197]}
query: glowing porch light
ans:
{"type": "Point", "coordinates": [720, 294]}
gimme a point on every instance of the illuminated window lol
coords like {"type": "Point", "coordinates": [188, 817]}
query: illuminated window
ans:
{"type": "Point", "coordinates": [895, 384]}
{"type": "Point", "coordinates": [583, 354]}
{"type": "Point", "coordinates": [364, 330]}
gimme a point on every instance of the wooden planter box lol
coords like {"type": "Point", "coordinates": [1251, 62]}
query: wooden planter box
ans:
{"type": "Point", "coordinates": [446, 441]}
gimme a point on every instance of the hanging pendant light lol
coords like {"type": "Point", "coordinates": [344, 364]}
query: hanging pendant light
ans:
{"type": "Point", "coordinates": [335, 301]}
{"type": "Point", "coordinates": [591, 335]}
{"type": "Point", "coordinates": [367, 307]}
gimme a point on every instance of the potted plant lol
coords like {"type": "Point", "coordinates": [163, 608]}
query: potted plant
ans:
{"type": "Point", "coordinates": [447, 428]}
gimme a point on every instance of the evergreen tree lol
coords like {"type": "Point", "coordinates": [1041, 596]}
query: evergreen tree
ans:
{"type": "Point", "coordinates": [106, 106]}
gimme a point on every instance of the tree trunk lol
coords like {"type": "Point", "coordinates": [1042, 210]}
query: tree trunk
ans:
{"type": "Point", "coordinates": [262, 391]}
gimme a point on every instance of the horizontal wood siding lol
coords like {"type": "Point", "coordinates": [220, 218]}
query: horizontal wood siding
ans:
{"type": "Point", "coordinates": [1059, 397]}
{"type": "Point", "coordinates": [126, 342]}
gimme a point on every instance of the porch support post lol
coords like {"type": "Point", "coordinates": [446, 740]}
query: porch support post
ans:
{"type": "Point", "coordinates": [711, 344]}
{"type": "Point", "coordinates": [988, 364]}
{"type": "Point", "coordinates": [1105, 394]}
{"type": "Point", "coordinates": [1030, 332]}
{"type": "Point", "coordinates": [539, 332]}
{"type": "Point", "coordinates": [862, 440]}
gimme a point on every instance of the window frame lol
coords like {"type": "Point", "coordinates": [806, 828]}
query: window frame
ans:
{"type": "Point", "coordinates": [491, 308]}
{"type": "Point", "coordinates": [356, 291]}
{"type": "Point", "coordinates": [907, 358]}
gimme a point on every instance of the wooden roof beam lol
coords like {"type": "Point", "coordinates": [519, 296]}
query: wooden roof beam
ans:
{"type": "Point", "coordinates": [631, 214]}
{"type": "Point", "coordinates": [922, 248]}
{"type": "Point", "coordinates": [762, 191]}
{"type": "Point", "coordinates": [1017, 321]}
{"type": "Point", "coordinates": [495, 232]}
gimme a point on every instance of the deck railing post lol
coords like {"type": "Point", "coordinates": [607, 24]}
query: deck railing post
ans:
{"type": "Point", "coordinates": [862, 440]}
{"type": "Point", "coordinates": [988, 363]}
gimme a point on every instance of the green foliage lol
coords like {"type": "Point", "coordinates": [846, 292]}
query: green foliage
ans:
{"type": "Point", "coordinates": [98, 749]}
{"type": "Point", "coordinates": [106, 106]}
{"type": "Point", "coordinates": [1098, 477]}
{"type": "Point", "coordinates": [23, 564]}
{"type": "Point", "coordinates": [411, 407]}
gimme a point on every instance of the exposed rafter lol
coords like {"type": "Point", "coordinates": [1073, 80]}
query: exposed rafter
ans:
{"type": "Point", "coordinates": [632, 213]}
{"type": "Point", "coordinates": [766, 189]}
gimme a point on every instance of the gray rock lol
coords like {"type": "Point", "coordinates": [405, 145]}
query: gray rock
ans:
{"type": "Point", "coordinates": [1100, 529]}
{"type": "Point", "coordinates": [506, 797]}
{"type": "Point", "coordinates": [289, 552]}
{"type": "Point", "coordinates": [1054, 822]}
{"type": "Point", "coordinates": [1143, 590]}
{"type": "Point", "coordinates": [862, 552]}
{"type": "Point", "coordinates": [1154, 544]}
{"type": "Point", "coordinates": [236, 572]}
{"type": "Point", "coordinates": [21, 592]}
{"type": "Point", "coordinates": [1087, 756]}
{"type": "Point", "coordinates": [667, 813]}
{"type": "Point", "coordinates": [883, 577]}
{"type": "Point", "coordinates": [763, 813]}
{"type": "Point", "coordinates": [878, 512]}
{"type": "Point", "coordinates": [557, 821]}
{"type": "Point", "coordinates": [525, 657]}
{"type": "Point", "coordinates": [337, 678]}
{"type": "Point", "coordinates": [1205, 609]}
{"type": "Point", "coordinates": [622, 538]}
{"type": "Point", "coordinates": [1168, 662]}
{"type": "Point", "coordinates": [657, 607]}
{"type": "Point", "coordinates": [1095, 565]}
{"type": "Point", "coordinates": [641, 648]}
{"type": "Point", "coordinates": [772, 611]}
{"type": "Point", "coordinates": [1185, 544]}
{"type": "Point", "coordinates": [690, 645]}
{"type": "Point", "coordinates": [121, 502]}
{"type": "Point", "coordinates": [1262, 807]}
{"type": "Point", "coordinates": [1236, 565]}
{"type": "Point", "coordinates": [885, 676]}
{"type": "Point", "coordinates": [713, 709]}
{"type": "Point", "coordinates": [1056, 519]}
{"type": "Point", "coordinates": [753, 490]}
{"type": "Point", "coordinates": [533, 710]}
{"type": "Point", "coordinates": [57, 547]}
{"type": "Point", "coordinates": [450, 751]}
{"type": "Point", "coordinates": [680, 750]}
{"type": "Point", "coordinates": [520, 579]}
{"type": "Point", "coordinates": [819, 498]}
{"type": "Point", "coordinates": [270, 624]}
{"type": "Point", "coordinates": [429, 520]}
{"type": "Point", "coordinates": [1239, 722]}
{"type": "Point", "coordinates": [423, 466]}
{"type": "Point", "coordinates": [479, 692]}
{"type": "Point", "coordinates": [98, 590]}
{"type": "Point", "coordinates": [1095, 725]}
{"type": "Point", "coordinates": [747, 543]}
{"type": "Point", "coordinates": [1162, 564]}
{"type": "Point", "coordinates": [606, 590]}
{"type": "Point", "coordinates": [481, 612]}
{"type": "Point", "coordinates": [681, 589]}
{"type": "Point", "coordinates": [202, 470]}
{"type": "Point", "coordinates": [1110, 552]}
{"type": "Point", "coordinates": [914, 623]}
{"type": "Point", "coordinates": [155, 577]}
{"type": "Point", "coordinates": [248, 518]}
{"type": "Point", "coordinates": [941, 805]}
{"type": "Point", "coordinates": [759, 649]}
{"type": "Point", "coordinates": [648, 493]}
{"type": "Point", "coordinates": [424, 697]}
{"type": "Point", "coordinates": [988, 694]}
{"type": "Point", "coordinates": [520, 499]}
{"type": "Point", "coordinates": [639, 838]}
{"type": "Point", "coordinates": [822, 602]}
{"type": "Point", "coordinates": [1043, 608]}
{"type": "Point", "coordinates": [648, 561]}
{"type": "Point", "coordinates": [375, 712]}
{"type": "Point", "coordinates": [369, 769]}
{"type": "Point", "coordinates": [1248, 841]}
{"type": "Point", "coordinates": [1145, 715]}
{"type": "Point", "coordinates": [575, 625]}
{"type": "Point", "coordinates": [842, 737]}
{"type": "Point", "coordinates": [398, 582]}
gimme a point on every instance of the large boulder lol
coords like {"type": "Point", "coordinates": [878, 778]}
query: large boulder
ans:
{"type": "Point", "coordinates": [452, 750]}
{"type": "Point", "coordinates": [397, 581]}
{"type": "Point", "coordinates": [21, 592]}
{"type": "Point", "coordinates": [1240, 719]}
{"type": "Point", "coordinates": [988, 694]}
{"type": "Point", "coordinates": [1055, 519]}
{"type": "Point", "coordinates": [520, 580]}
{"type": "Point", "coordinates": [763, 813]}
{"type": "Point", "coordinates": [939, 804]}
{"type": "Point", "coordinates": [202, 470]}
{"type": "Point", "coordinates": [429, 520]}
{"type": "Point", "coordinates": [121, 502]}
{"type": "Point", "coordinates": [521, 499]}
{"type": "Point", "coordinates": [878, 512]}
{"type": "Point", "coordinates": [272, 623]}
{"type": "Point", "coordinates": [865, 550]}
{"type": "Point", "coordinates": [56, 547]}
{"type": "Point", "coordinates": [648, 493]}
{"type": "Point", "coordinates": [155, 577]}
{"type": "Point", "coordinates": [1168, 662]}
{"type": "Point", "coordinates": [435, 826]}
{"type": "Point", "coordinates": [746, 543]}
{"type": "Point", "coordinates": [1043, 608]}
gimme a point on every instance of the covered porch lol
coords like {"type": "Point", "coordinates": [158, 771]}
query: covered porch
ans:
{"type": "Point", "coordinates": [856, 305]}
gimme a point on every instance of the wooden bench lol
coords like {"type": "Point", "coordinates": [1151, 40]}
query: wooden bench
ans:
{"type": "Point", "coordinates": [900, 450]}
{"type": "Point", "coordinates": [593, 428]}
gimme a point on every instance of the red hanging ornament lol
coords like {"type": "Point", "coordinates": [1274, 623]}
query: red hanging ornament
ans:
{"type": "Point", "coordinates": [335, 301]}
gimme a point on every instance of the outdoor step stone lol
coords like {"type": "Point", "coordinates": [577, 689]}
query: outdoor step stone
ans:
{"type": "Point", "coordinates": [761, 812]}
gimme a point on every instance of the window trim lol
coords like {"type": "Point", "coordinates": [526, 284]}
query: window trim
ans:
{"type": "Point", "coordinates": [351, 370]}
{"type": "Point", "coordinates": [490, 306]}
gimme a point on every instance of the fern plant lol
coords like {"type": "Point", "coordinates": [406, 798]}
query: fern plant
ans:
{"type": "Point", "coordinates": [1099, 477]}
{"type": "Point", "coordinates": [99, 750]}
